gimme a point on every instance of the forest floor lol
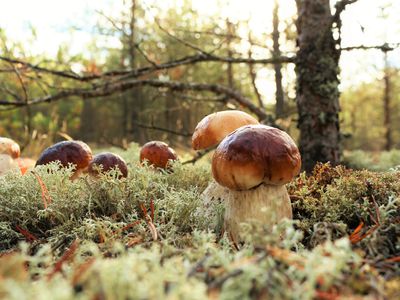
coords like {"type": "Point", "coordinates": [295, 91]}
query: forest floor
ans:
{"type": "Point", "coordinates": [149, 237]}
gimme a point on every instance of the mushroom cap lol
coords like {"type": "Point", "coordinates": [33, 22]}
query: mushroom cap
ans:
{"type": "Point", "coordinates": [67, 152]}
{"type": "Point", "coordinates": [108, 161]}
{"type": "Point", "coordinates": [213, 128]}
{"type": "Point", "coordinates": [158, 154]}
{"type": "Point", "coordinates": [253, 155]}
{"type": "Point", "coordinates": [10, 147]}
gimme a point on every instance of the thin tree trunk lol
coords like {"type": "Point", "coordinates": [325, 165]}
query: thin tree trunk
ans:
{"type": "Point", "coordinates": [135, 104]}
{"type": "Point", "coordinates": [253, 75]}
{"type": "Point", "coordinates": [230, 29]}
{"type": "Point", "coordinates": [280, 102]}
{"type": "Point", "coordinates": [317, 84]}
{"type": "Point", "coordinates": [386, 107]}
{"type": "Point", "coordinates": [88, 121]}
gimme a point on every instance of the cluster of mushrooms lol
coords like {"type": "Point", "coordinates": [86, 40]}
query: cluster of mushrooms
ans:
{"type": "Point", "coordinates": [250, 166]}
{"type": "Point", "coordinates": [79, 154]}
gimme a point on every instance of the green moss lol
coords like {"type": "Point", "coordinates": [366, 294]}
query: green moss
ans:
{"type": "Point", "coordinates": [119, 256]}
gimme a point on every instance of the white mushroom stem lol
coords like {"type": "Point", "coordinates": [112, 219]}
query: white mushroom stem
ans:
{"type": "Point", "coordinates": [7, 163]}
{"type": "Point", "coordinates": [266, 204]}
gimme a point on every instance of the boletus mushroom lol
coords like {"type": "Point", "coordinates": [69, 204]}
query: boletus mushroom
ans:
{"type": "Point", "coordinates": [76, 153]}
{"type": "Point", "coordinates": [254, 163]}
{"type": "Point", "coordinates": [212, 129]}
{"type": "Point", "coordinates": [209, 132]}
{"type": "Point", "coordinates": [9, 151]}
{"type": "Point", "coordinates": [157, 154]}
{"type": "Point", "coordinates": [105, 162]}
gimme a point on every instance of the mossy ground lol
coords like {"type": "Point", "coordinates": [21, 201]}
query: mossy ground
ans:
{"type": "Point", "coordinates": [146, 237]}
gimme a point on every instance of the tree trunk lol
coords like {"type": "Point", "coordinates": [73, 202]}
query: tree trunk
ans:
{"type": "Point", "coordinates": [88, 121]}
{"type": "Point", "coordinates": [386, 107]}
{"type": "Point", "coordinates": [135, 105]}
{"type": "Point", "coordinates": [253, 75]}
{"type": "Point", "coordinates": [280, 104]}
{"type": "Point", "coordinates": [317, 84]}
{"type": "Point", "coordinates": [230, 31]}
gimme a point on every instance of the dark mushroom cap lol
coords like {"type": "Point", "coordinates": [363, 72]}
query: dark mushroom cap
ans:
{"type": "Point", "coordinates": [213, 128]}
{"type": "Point", "coordinates": [107, 161]}
{"type": "Point", "coordinates": [10, 147]}
{"type": "Point", "coordinates": [158, 154]}
{"type": "Point", "coordinates": [253, 155]}
{"type": "Point", "coordinates": [67, 152]}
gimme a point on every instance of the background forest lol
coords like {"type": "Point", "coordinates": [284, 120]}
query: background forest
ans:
{"type": "Point", "coordinates": [137, 34]}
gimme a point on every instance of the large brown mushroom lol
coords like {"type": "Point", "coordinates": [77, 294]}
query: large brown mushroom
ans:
{"type": "Point", "coordinates": [9, 151]}
{"type": "Point", "coordinates": [76, 153]}
{"type": "Point", "coordinates": [157, 154]}
{"type": "Point", "coordinates": [213, 128]}
{"type": "Point", "coordinates": [209, 132]}
{"type": "Point", "coordinates": [254, 163]}
{"type": "Point", "coordinates": [107, 161]}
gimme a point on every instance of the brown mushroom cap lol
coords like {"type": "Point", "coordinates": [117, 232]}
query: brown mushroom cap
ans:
{"type": "Point", "coordinates": [157, 154]}
{"type": "Point", "coordinates": [67, 152]}
{"type": "Point", "coordinates": [8, 146]}
{"type": "Point", "coordinates": [253, 155]}
{"type": "Point", "coordinates": [213, 128]}
{"type": "Point", "coordinates": [107, 161]}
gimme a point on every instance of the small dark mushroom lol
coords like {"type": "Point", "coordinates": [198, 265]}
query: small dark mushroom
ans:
{"type": "Point", "coordinates": [158, 154]}
{"type": "Point", "coordinates": [76, 153]}
{"type": "Point", "coordinates": [106, 162]}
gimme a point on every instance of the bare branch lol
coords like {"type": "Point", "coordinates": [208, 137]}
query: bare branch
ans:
{"type": "Point", "coordinates": [198, 156]}
{"type": "Point", "coordinates": [107, 89]}
{"type": "Point", "coordinates": [69, 75]}
{"type": "Point", "coordinates": [153, 127]}
{"type": "Point", "coordinates": [21, 81]}
{"type": "Point", "coordinates": [385, 47]}
{"type": "Point", "coordinates": [340, 6]}
{"type": "Point", "coordinates": [188, 60]}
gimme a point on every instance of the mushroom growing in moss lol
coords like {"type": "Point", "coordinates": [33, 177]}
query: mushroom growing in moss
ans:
{"type": "Point", "coordinates": [157, 154]}
{"type": "Point", "coordinates": [209, 132]}
{"type": "Point", "coordinates": [76, 153]}
{"type": "Point", "coordinates": [106, 162]}
{"type": "Point", "coordinates": [213, 128]}
{"type": "Point", "coordinates": [254, 163]}
{"type": "Point", "coordinates": [9, 151]}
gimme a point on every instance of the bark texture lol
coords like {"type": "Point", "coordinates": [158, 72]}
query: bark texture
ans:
{"type": "Point", "coordinates": [317, 84]}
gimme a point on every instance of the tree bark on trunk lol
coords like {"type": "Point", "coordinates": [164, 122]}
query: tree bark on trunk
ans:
{"type": "Point", "coordinates": [280, 102]}
{"type": "Point", "coordinates": [317, 84]}
{"type": "Point", "coordinates": [386, 107]}
{"type": "Point", "coordinates": [229, 72]}
{"type": "Point", "coordinates": [135, 106]}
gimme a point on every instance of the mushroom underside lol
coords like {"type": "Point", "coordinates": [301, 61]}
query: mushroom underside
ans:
{"type": "Point", "coordinates": [266, 204]}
